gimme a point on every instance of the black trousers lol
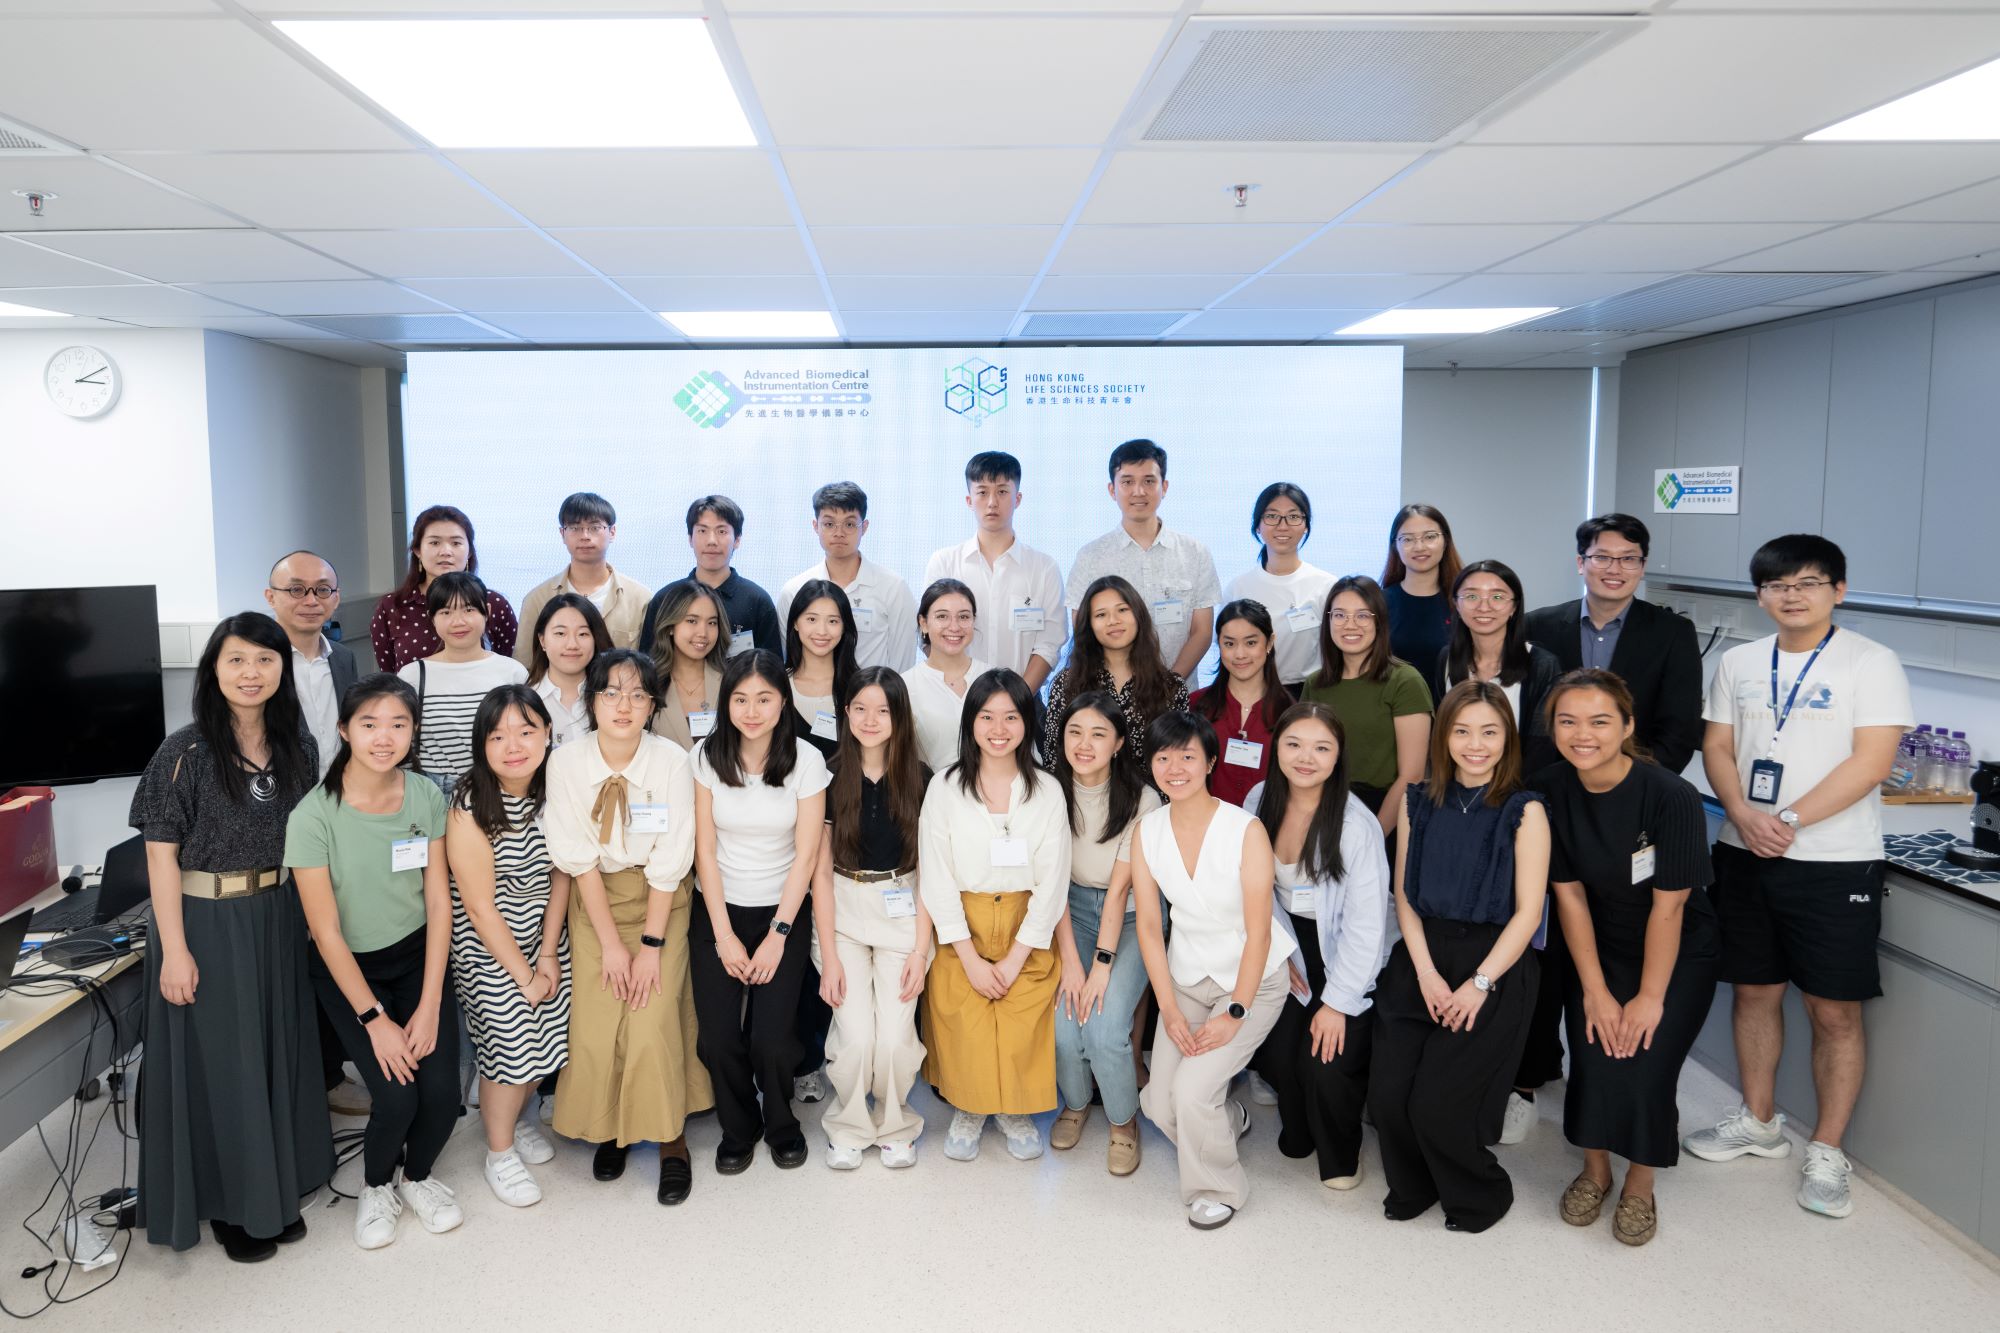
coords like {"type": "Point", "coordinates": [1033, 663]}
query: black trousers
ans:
{"type": "Point", "coordinates": [815, 1015]}
{"type": "Point", "coordinates": [332, 1059]}
{"type": "Point", "coordinates": [1438, 1097]}
{"type": "Point", "coordinates": [1319, 1102]}
{"type": "Point", "coordinates": [1542, 1055]}
{"type": "Point", "coordinates": [749, 1034]}
{"type": "Point", "coordinates": [408, 1123]}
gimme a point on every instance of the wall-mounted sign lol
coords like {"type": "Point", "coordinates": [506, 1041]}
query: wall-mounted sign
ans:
{"type": "Point", "coordinates": [1696, 490]}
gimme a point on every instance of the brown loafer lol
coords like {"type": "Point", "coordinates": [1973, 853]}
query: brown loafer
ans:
{"type": "Point", "coordinates": [1582, 1202]}
{"type": "Point", "coordinates": [1636, 1220]}
{"type": "Point", "coordinates": [1068, 1128]}
{"type": "Point", "coordinates": [1122, 1157]}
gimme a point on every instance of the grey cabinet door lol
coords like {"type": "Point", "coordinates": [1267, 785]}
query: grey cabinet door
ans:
{"type": "Point", "coordinates": [1878, 407]}
{"type": "Point", "coordinates": [1709, 431]}
{"type": "Point", "coordinates": [1784, 428]}
{"type": "Point", "coordinates": [1962, 461]}
{"type": "Point", "coordinates": [1648, 403]}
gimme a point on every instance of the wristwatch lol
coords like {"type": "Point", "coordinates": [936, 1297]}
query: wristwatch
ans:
{"type": "Point", "coordinates": [1106, 955]}
{"type": "Point", "coordinates": [1235, 1010]}
{"type": "Point", "coordinates": [1789, 817]}
{"type": "Point", "coordinates": [1482, 982]}
{"type": "Point", "coordinates": [782, 927]}
{"type": "Point", "coordinates": [652, 941]}
{"type": "Point", "coordinates": [368, 1015]}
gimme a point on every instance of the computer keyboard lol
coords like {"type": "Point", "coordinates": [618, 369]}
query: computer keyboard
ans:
{"type": "Point", "coordinates": [77, 910]}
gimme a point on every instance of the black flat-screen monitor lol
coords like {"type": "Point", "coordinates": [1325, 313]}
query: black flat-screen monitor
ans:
{"type": "Point", "coordinates": [80, 686]}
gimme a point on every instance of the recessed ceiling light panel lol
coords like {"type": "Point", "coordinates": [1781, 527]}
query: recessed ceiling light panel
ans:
{"type": "Point", "coordinates": [752, 325]}
{"type": "Point", "coordinates": [1965, 106]}
{"type": "Point", "coordinates": [1426, 323]}
{"type": "Point", "coordinates": [8, 310]}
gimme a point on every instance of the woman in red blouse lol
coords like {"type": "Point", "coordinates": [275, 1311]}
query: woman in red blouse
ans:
{"type": "Point", "coordinates": [1246, 700]}
{"type": "Point", "coordinates": [401, 630]}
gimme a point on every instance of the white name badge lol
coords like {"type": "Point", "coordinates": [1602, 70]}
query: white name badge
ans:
{"type": "Point", "coordinates": [864, 618]}
{"type": "Point", "coordinates": [700, 724]}
{"type": "Point", "coordinates": [899, 903]}
{"type": "Point", "coordinates": [1642, 864]}
{"type": "Point", "coordinates": [1009, 852]}
{"type": "Point", "coordinates": [1302, 618]}
{"type": "Point", "coordinates": [1027, 619]}
{"type": "Point", "coordinates": [650, 817]}
{"type": "Point", "coordinates": [742, 641]}
{"type": "Point", "coordinates": [1169, 611]}
{"type": "Point", "coordinates": [826, 726]}
{"type": "Point", "coordinates": [1242, 753]}
{"type": "Point", "coordinates": [1302, 902]}
{"type": "Point", "coordinates": [409, 854]}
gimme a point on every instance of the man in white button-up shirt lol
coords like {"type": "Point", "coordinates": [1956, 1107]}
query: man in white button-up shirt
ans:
{"type": "Point", "coordinates": [1172, 571]}
{"type": "Point", "coordinates": [885, 615]}
{"type": "Point", "coordinates": [303, 594]}
{"type": "Point", "coordinates": [1017, 591]}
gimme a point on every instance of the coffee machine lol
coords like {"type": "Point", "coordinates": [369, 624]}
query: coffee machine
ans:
{"type": "Point", "coordinates": [1983, 852]}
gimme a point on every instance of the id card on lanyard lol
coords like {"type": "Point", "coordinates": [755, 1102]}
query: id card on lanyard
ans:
{"type": "Point", "coordinates": [1767, 775]}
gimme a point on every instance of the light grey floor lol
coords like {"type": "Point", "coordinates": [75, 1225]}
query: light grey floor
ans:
{"type": "Point", "coordinates": [1000, 1245]}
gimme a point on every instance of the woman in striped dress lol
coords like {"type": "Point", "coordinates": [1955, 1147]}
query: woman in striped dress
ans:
{"type": "Point", "coordinates": [451, 682]}
{"type": "Point", "coordinates": [507, 908]}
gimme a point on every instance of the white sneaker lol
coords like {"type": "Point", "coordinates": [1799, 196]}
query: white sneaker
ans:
{"type": "Point", "coordinates": [842, 1159]}
{"type": "Point", "coordinates": [375, 1214]}
{"type": "Point", "coordinates": [1024, 1137]}
{"type": "Point", "coordinates": [1521, 1117]}
{"type": "Point", "coordinates": [1207, 1215]}
{"type": "Point", "coordinates": [1260, 1091]}
{"type": "Point", "coordinates": [1239, 1116]}
{"type": "Point", "coordinates": [532, 1144]}
{"type": "Point", "coordinates": [1824, 1189]}
{"type": "Point", "coordinates": [1738, 1133]}
{"type": "Point", "coordinates": [809, 1088]}
{"type": "Point", "coordinates": [961, 1141]}
{"type": "Point", "coordinates": [896, 1156]}
{"type": "Point", "coordinates": [431, 1200]}
{"type": "Point", "coordinates": [1344, 1182]}
{"type": "Point", "coordinates": [512, 1183]}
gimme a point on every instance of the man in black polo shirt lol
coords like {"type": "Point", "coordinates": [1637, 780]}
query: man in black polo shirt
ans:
{"type": "Point", "coordinates": [715, 530]}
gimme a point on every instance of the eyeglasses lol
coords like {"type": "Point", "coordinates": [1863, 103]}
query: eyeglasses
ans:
{"type": "Point", "coordinates": [1431, 538]}
{"type": "Point", "coordinates": [1600, 562]}
{"type": "Point", "coordinates": [299, 592]}
{"type": "Point", "coordinates": [586, 529]}
{"type": "Point", "coordinates": [1469, 598]}
{"type": "Point", "coordinates": [1283, 520]}
{"type": "Point", "coordinates": [1350, 617]}
{"type": "Point", "coordinates": [1807, 586]}
{"type": "Point", "coordinates": [633, 697]}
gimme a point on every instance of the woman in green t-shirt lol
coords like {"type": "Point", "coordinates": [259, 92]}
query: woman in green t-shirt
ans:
{"type": "Point", "coordinates": [1382, 701]}
{"type": "Point", "coordinates": [367, 850]}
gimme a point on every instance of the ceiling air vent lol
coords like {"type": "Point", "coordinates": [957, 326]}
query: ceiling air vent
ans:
{"type": "Point", "coordinates": [11, 142]}
{"type": "Point", "coordinates": [1332, 80]}
{"type": "Point", "coordinates": [1079, 324]}
{"type": "Point", "coordinates": [1683, 300]}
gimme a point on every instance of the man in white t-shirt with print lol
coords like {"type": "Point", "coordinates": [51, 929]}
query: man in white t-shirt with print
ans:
{"type": "Point", "coordinates": [885, 615]}
{"type": "Point", "coordinates": [1802, 728]}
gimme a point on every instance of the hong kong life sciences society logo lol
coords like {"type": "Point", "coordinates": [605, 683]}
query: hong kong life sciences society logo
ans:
{"type": "Point", "coordinates": [975, 389]}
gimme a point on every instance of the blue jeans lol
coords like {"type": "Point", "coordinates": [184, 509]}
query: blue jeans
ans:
{"type": "Point", "coordinates": [1101, 1047]}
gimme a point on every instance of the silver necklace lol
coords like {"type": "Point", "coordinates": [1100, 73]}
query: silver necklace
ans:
{"type": "Point", "coordinates": [264, 786]}
{"type": "Point", "coordinates": [1465, 807]}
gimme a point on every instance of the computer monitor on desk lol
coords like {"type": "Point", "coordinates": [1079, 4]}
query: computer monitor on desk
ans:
{"type": "Point", "coordinates": [122, 888]}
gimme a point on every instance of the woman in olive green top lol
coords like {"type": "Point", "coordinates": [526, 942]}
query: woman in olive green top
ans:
{"type": "Point", "coordinates": [367, 850]}
{"type": "Point", "coordinates": [1381, 700]}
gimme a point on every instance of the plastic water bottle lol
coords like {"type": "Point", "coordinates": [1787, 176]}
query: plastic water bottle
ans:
{"type": "Point", "coordinates": [1903, 771]}
{"type": "Point", "coordinates": [1916, 749]}
{"type": "Point", "coordinates": [1958, 769]}
{"type": "Point", "coordinates": [1930, 773]}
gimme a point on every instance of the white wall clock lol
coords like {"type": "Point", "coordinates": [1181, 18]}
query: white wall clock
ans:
{"type": "Point", "coordinates": [82, 382]}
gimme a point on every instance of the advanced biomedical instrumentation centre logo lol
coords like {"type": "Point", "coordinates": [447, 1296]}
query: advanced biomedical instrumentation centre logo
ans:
{"type": "Point", "coordinates": [975, 389]}
{"type": "Point", "coordinates": [712, 400]}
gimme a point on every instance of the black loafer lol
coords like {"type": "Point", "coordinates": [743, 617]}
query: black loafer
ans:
{"type": "Point", "coordinates": [240, 1245]}
{"type": "Point", "coordinates": [792, 1152]}
{"type": "Point", "coordinates": [295, 1230]}
{"type": "Point", "coordinates": [733, 1160]}
{"type": "Point", "coordinates": [609, 1164]}
{"type": "Point", "coordinates": [676, 1180]}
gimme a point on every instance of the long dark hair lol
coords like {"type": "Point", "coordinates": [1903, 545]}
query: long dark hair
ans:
{"type": "Point", "coordinates": [1279, 490]}
{"type": "Point", "coordinates": [675, 600]}
{"type": "Point", "coordinates": [1127, 784]}
{"type": "Point", "coordinates": [284, 722]}
{"type": "Point", "coordinates": [903, 774]}
{"type": "Point", "coordinates": [1458, 652]}
{"type": "Point", "coordinates": [381, 685]}
{"type": "Point", "coordinates": [593, 620]}
{"type": "Point", "coordinates": [1332, 666]}
{"type": "Point", "coordinates": [413, 577]}
{"type": "Point", "coordinates": [724, 745]}
{"type": "Point", "coordinates": [479, 791]}
{"type": "Point", "coordinates": [1393, 568]}
{"type": "Point", "coordinates": [1211, 701]}
{"type": "Point", "coordinates": [1506, 777]}
{"type": "Point", "coordinates": [1319, 859]}
{"type": "Point", "coordinates": [999, 680]}
{"type": "Point", "coordinates": [843, 652]}
{"type": "Point", "coordinates": [1153, 685]}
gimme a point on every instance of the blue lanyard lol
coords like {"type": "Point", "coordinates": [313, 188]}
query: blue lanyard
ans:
{"type": "Point", "coordinates": [1792, 698]}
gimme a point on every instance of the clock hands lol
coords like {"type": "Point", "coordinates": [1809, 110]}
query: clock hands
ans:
{"type": "Point", "coordinates": [91, 378]}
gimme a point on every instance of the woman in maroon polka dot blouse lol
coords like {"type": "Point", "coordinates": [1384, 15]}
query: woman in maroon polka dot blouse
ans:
{"type": "Point", "coordinates": [401, 631]}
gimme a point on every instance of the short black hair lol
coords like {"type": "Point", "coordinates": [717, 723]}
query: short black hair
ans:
{"type": "Point", "coordinates": [586, 507]}
{"type": "Point", "coordinates": [1626, 526]}
{"type": "Point", "coordinates": [1794, 553]}
{"type": "Point", "coordinates": [842, 497]}
{"type": "Point", "coordinates": [1137, 451]}
{"type": "Point", "coordinates": [458, 588]}
{"type": "Point", "coordinates": [722, 507]}
{"type": "Point", "coordinates": [993, 465]}
{"type": "Point", "coordinates": [1181, 728]}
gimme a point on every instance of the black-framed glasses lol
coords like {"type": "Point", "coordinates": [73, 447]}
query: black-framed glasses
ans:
{"type": "Point", "coordinates": [1779, 588]}
{"type": "Point", "coordinates": [1627, 562]}
{"type": "Point", "coordinates": [298, 592]}
{"type": "Point", "coordinates": [1273, 520]}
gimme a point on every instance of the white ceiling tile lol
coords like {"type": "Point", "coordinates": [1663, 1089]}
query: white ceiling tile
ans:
{"type": "Point", "coordinates": [633, 327]}
{"type": "Point", "coordinates": [1426, 249]}
{"type": "Point", "coordinates": [91, 195]}
{"type": "Point", "coordinates": [986, 292]}
{"type": "Point", "coordinates": [934, 326]}
{"type": "Point", "coordinates": [1976, 203]}
{"type": "Point", "coordinates": [883, 250]}
{"type": "Point", "coordinates": [1825, 182]}
{"type": "Point", "coordinates": [409, 328]}
{"type": "Point", "coordinates": [1581, 358]}
{"type": "Point", "coordinates": [695, 291]}
{"type": "Point", "coordinates": [516, 253]}
{"type": "Point", "coordinates": [1342, 291]}
{"type": "Point", "coordinates": [292, 191]}
{"type": "Point", "coordinates": [1726, 78]}
{"type": "Point", "coordinates": [918, 6]}
{"type": "Point", "coordinates": [1621, 247]}
{"type": "Point", "coordinates": [993, 186]}
{"type": "Point", "coordinates": [1265, 325]}
{"type": "Point", "coordinates": [950, 80]}
{"type": "Point", "coordinates": [1538, 184]}
{"type": "Point", "coordinates": [567, 295]}
{"type": "Point", "coordinates": [1735, 319]}
{"type": "Point", "coordinates": [1131, 291]}
{"type": "Point", "coordinates": [79, 8]}
{"type": "Point", "coordinates": [346, 349]}
{"type": "Point", "coordinates": [364, 297]}
{"type": "Point", "coordinates": [666, 250]}
{"type": "Point", "coordinates": [442, 8]}
{"type": "Point", "coordinates": [60, 322]}
{"type": "Point", "coordinates": [1531, 289]}
{"type": "Point", "coordinates": [1244, 247]}
{"type": "Point", "coordinates": [243, 326]}
{"type": "Point", "coordinates": [23, 265]}
{"type": "Point", "coordinates": [633, 187]}
{"type": "Point", "coordinates": [1870, 289]}
{"type": "Point", "coordinates": [174, 84]}
{"type": "Point", "coordinates": [1884, 246]}
{"type": "Point", "coordinates": [1195, 186]}
{"type": "Point", "coordinates": [1475, 7]}
{"type": "Point", "coordinates": [134, 302]}
{"type": "Point", "coordinates": [198, 256]}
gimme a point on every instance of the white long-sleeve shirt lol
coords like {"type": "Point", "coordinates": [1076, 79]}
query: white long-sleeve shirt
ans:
{"type": "Point", "coordinates": [955, 843]}
{"type": "Point", "coordinates": [660, 794]}
{"type": "Point", "coordinates": [885, 614]}
{"type": "Point", "coordinates": [1353, 915]}
{"type": "Point", "coordinates": [1007, 593]}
